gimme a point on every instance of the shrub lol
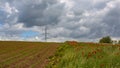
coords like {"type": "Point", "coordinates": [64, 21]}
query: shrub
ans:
{"type": "Point", "coordinates": [106, 39]}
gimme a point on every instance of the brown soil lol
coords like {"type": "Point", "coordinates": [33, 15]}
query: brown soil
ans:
{"type": "Point", "coordinates": [35, 59]}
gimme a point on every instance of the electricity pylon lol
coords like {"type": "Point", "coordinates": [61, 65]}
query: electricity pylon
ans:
{"type": "Point", "coordinates": [45, 33]}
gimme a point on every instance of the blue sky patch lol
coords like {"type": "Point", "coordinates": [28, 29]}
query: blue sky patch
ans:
{"type": "Point", "coordinates": [1, 24]}
{"type": "Point", "coordinates": [29, 33]}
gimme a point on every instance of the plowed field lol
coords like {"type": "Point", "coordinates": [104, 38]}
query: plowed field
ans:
{"type": "Point", "coordinates": [25, 54]}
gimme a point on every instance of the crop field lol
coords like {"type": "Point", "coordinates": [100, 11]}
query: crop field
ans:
{"type": "Point", "coordinates": [86, 55]}
{"type": "Point", "coordinates": [70, 54]}
{"type": "Point", "coordinates": [25, 54]}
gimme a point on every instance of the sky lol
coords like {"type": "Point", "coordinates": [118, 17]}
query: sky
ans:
{"type": "Point", "coordinates": [80, 20]}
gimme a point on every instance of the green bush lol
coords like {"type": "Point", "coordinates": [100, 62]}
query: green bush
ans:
{"type": "Point", "coordinates": [106, 39]}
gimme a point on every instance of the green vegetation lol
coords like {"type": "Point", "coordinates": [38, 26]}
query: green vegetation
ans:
{"type": "Point", "coordinates": [70, 54]}
{"type": "Point", "coordinates": [86, 55]}
{"type": "Point", "coordinates": [119, 42]}
{"type": "Point", "coordinates": [106, 39]}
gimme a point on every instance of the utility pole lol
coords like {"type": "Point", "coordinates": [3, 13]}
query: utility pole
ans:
{"type": "Point", "coordinates": [45, 33]}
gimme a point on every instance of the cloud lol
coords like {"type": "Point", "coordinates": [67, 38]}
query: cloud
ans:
{"type": "Point", "coordinates": [83, 20]}
{"type": "Point", "coordinates": [100, 20]}
{"type": "Point", "coordinates": [46, 12]}
{"type": "Point", "coordinates": [112, 18]}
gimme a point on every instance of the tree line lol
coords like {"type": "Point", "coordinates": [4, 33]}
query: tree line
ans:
{"type": "Point", "coordinates": [107, 39]}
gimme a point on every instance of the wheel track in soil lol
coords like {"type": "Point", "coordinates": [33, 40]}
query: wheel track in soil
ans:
{"type": "Point", "coordinates": [38, 60]}
{"type": "Point", "coordinates": [45, 61]}
{"type": "Point", "coordinates": [4, 59]}
{"type": "Point", "coordinates": [20, 61]}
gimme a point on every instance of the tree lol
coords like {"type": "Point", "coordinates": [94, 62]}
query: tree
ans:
{"type": "Point", "coordinates": [106, 39]}
{"type": "Point", "coordinates": [119, 42]}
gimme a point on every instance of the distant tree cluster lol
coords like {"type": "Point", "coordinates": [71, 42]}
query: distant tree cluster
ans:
{"type": "Point", "coordinates": [119, 42]}
{"type": "Point", "coordinates": [107, 39]}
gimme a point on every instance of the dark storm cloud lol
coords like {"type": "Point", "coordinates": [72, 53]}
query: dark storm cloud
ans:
{"type": "Point", "coordinates": [104, 20]}
{"type": "Point", "coordinates": [3, 16]}
{"type": "Point", "coordinates": [112, 20]}
{"type": "Point", "coordinates": [73, 19]}
{"type": "Point", "coordinates": [11, 33]}
{"type": "Point", "coordinates": [47, 12]}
